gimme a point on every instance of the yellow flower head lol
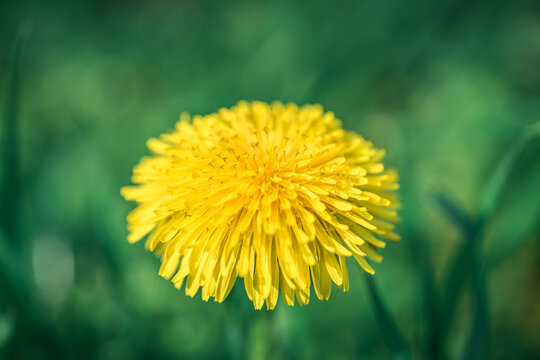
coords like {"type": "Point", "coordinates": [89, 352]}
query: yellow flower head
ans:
{"type": "Point", "coordinates": [275, 194]}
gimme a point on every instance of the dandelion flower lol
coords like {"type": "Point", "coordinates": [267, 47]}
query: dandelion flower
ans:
{"type": "Point", "coordinates": [278, 195]}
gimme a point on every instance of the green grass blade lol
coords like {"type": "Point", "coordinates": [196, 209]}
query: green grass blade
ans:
{"type": "Point", "coordinates": [503, 171]}
{"type": "Point", "coordinates": [430, 295]}
{"type": "Point", "coordinates": [455, 213]}
{"type": "Point", "coordinates": [10, 190]}
{"type": "Point", "coordinates": [468, 260]}
{"type": "Point", "coordinates": [390, 332]}
{"type": "Point", "coordinates": [456, 278]}
{"type": "Point", "coordinates": [477, 345]}
{"type": "Point", "coordinates": [497, 258]}
{"type": "Point", "coordinates": [459, 270]}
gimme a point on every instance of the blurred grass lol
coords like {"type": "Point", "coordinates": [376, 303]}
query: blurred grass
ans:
{"type": "Point", "coordinates": [389, 329]}
{"type": "Point", "coordinates": [445, 87]}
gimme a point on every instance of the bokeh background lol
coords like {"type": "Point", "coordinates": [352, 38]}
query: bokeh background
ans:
{"type": "Point", "coordinates": [449, 88]}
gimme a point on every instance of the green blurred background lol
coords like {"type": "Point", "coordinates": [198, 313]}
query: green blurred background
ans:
{"type": "Point", "coordinates": [448, 88]}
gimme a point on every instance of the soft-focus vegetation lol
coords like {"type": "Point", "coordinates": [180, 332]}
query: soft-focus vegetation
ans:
{"type": "Point", "coordinates": [451, 89]}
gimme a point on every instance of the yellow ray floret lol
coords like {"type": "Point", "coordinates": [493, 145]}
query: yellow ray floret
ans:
{"type": "Point", "coordinates": [275, 194]}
